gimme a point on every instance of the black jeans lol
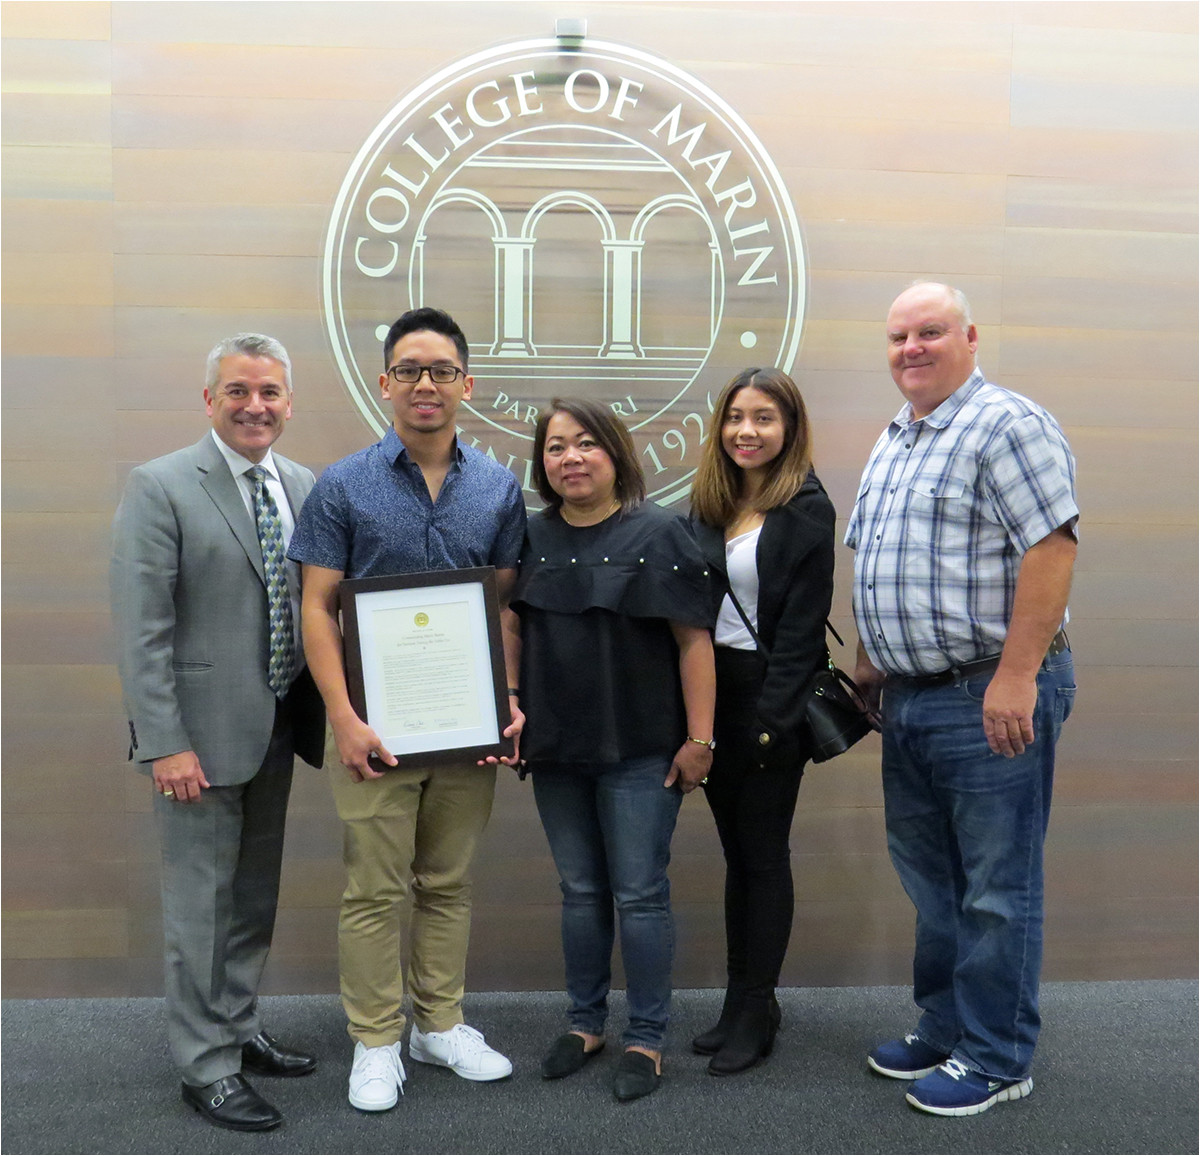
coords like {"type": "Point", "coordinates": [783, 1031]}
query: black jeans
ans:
{"type": "Point", "coordinates": [753, 809]}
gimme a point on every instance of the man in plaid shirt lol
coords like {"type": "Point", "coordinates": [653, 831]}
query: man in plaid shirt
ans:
{"type": "Point", "coordinates": [964, 531]}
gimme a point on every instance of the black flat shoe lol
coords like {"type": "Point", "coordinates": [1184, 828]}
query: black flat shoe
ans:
{"type": "Point", "coordinates": [232, 1103]}
{"type": "Point", "coordinates": [636, 1076]}
{"type": "Point", "coordinates": [265, 1057]}
{"type": "Point", "coordinates": [566, 1056]}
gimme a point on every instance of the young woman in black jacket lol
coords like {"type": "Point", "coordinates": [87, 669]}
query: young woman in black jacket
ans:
{"type": "Point", "coordinates": [766, 528]}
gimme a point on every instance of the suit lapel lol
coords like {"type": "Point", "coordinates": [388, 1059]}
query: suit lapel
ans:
{"type": "Point", "coordinates": [295, 490]}
{"type": "Point", "coordinates": [222, 487]}
{"type": "Point", "coordinates": [291, 486]}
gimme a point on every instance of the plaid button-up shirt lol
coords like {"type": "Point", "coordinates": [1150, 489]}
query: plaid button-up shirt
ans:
{"type": "Point", "coordinates": [947, 506]}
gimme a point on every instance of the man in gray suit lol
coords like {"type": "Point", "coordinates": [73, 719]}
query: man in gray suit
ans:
{"type": "Point", "coordinates": [219, 702]}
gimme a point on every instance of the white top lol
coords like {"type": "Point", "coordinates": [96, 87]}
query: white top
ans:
{"type": "Point", "coordinates": [741, 564]}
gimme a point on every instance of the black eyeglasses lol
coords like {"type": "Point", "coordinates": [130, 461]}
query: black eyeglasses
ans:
{"type": "Point", "coordinates": [438, 374]}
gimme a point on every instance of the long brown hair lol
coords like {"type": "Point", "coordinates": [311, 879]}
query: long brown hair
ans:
{"type": "Point", "coordinates": [718, 485]}
{"type": "Point", "coordinates": [614, 439]}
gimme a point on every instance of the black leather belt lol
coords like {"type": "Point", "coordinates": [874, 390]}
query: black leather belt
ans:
{"type": "Point", "coordinates": [964, 670]}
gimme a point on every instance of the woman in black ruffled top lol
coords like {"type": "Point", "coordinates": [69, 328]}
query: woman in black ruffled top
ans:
{"type": "Point", "coordinates": [617, 689]}
{"type": "Point", "coordinates": [766, 526]}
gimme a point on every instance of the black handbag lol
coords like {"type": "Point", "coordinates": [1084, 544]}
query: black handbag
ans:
{"type": "Point", "coordinates": [835, 710]}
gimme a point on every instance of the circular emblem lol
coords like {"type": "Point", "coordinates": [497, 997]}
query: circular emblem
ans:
{"type": "Point", "coordinates": [598, 221]}
{"type": "Point", "coordinates": [421, 618]}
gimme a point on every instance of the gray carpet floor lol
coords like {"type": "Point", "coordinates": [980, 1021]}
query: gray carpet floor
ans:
{"type": "Point", "coordinates": [1116, 1071]}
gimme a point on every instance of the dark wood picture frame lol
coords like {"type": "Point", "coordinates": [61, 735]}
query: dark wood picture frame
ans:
{"type": "Point", "coordinates": [350, 590]}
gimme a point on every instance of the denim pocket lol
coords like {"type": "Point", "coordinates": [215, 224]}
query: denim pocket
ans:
{"type": "Point", "coordinates": [975, 688]}
{"type": "Point", "coordinates": [1065, 701]}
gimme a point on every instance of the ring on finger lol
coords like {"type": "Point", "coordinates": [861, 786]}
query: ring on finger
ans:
{"type": "Point", "coordinates": [168, 794]}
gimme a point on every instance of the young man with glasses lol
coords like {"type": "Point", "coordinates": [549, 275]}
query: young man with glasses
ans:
{"type": "Point", "coordinates": [416, 500]}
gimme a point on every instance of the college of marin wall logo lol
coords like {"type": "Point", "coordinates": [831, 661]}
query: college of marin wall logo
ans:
{"type": "Point", "coordinates": [599, 222]}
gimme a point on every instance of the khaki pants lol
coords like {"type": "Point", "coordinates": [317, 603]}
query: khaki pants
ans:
{"type": "Point", "coordinates": [414, 828]}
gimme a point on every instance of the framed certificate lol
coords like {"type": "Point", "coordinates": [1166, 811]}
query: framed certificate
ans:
{"type": "Point", "coordinates": [425, 663]}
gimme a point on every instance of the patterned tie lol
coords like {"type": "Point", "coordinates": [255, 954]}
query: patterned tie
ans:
{"type": "Point", "coordinates": [279, 600]}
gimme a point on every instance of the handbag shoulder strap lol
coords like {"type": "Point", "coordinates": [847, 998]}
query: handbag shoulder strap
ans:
{"type": "Point", "coordinates": [742, 614]}
{"type": "Point", "coordinates": [759, 642]}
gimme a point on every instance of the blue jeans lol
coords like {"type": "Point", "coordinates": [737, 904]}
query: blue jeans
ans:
{"type": "Point", "coordinates": [609, 826]}
{"type": "Point", "coordinates": [965, 831]}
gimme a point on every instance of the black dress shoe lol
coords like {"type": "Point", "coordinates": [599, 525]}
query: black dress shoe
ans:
{"type": "Point", "coordinates": [566, 1056]}
{"type": "Point", "coordinates": [232, 1103]}
{"type": "Point", "coordinates": [263, 1056]}
{"type": "Point", "coordinates": [637, 1076]}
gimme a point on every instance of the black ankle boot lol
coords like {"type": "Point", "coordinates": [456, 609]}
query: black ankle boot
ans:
{"type": "Point", "coordinates": [709, 1043]}
{"type": "Point", "coordinates": [750, 1039]}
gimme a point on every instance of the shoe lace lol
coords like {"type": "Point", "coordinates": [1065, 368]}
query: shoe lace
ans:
{"type": "Point", "coordinates": [466, 1042]}
{"type": "Point", "coordinates": [955, 1069]}
{"type": "Point", "coordinates": [382, 1064]}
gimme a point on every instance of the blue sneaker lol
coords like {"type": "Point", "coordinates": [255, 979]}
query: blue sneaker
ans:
{"type": "Point", "coordinates": [953, 1089]}
{"type": "Point", "coordinates": [906, 1059]}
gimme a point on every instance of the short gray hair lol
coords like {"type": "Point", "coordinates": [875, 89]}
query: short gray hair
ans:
{"type": "Point", "coordinates": [252, 345]}
{"type": "Point", "coordinates": [959, 299]}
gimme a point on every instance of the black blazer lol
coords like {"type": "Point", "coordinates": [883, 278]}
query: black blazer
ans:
{"type": "Point", "coordinates": [795, 590]}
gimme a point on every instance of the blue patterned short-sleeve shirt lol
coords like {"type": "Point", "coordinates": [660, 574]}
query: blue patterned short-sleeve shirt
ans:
{"type": "Point", "coordinates": [946, 509]}
{"type": "Point", "coordinates": [371, 514]}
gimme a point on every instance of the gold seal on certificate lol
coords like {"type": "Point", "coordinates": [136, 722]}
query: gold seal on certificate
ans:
{"type": "Point", "coordinates": [425, 663]}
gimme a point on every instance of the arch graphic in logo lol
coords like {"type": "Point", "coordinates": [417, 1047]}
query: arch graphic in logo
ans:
{"type": "Point", "coordinates": [599, 222]}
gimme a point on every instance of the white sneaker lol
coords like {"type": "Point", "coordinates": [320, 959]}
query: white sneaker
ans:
{"type": "Point", "coordinates": [377, 1077]}
{"type": "Point", "coordinates": [462, 1050]}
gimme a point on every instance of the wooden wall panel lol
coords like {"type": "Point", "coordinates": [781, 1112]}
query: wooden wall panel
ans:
{"type": "Point", "coordinates": [269, 177]}
{"type": "Point", "coordinates": [49, 118]}
{"type": "Point", "coordinates": [216, 282]}
{"type": "Point", "coordinates": [54, 63]}
{"type": "Point", "coordinates": [75, 172]}
{"type": "Point", "coordinates": [50, 226]}
{"type": "Point", "coordinates": [954, 199]}
{"type": "Point", "coordinates": [1160, 207]}
{"type": "Point", "coordinates": [258, 230]}
{"type": "Point", "coordinates": [58, 279]}
{"type": "Point", "coordinates": [86, 19]}
{"type": "Point", "coordinates": [258, 72]}
{"type": "Point", "coordinates": [168, 174]}
{"type": "Point", "coordinates": [246, 123]}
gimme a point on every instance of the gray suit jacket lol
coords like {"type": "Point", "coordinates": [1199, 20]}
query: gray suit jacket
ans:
{"type": "Point", "coordinates": [190, 606]}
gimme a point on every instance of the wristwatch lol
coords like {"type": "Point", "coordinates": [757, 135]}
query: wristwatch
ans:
{"type": "Point", "coordinates": [710, 743]}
